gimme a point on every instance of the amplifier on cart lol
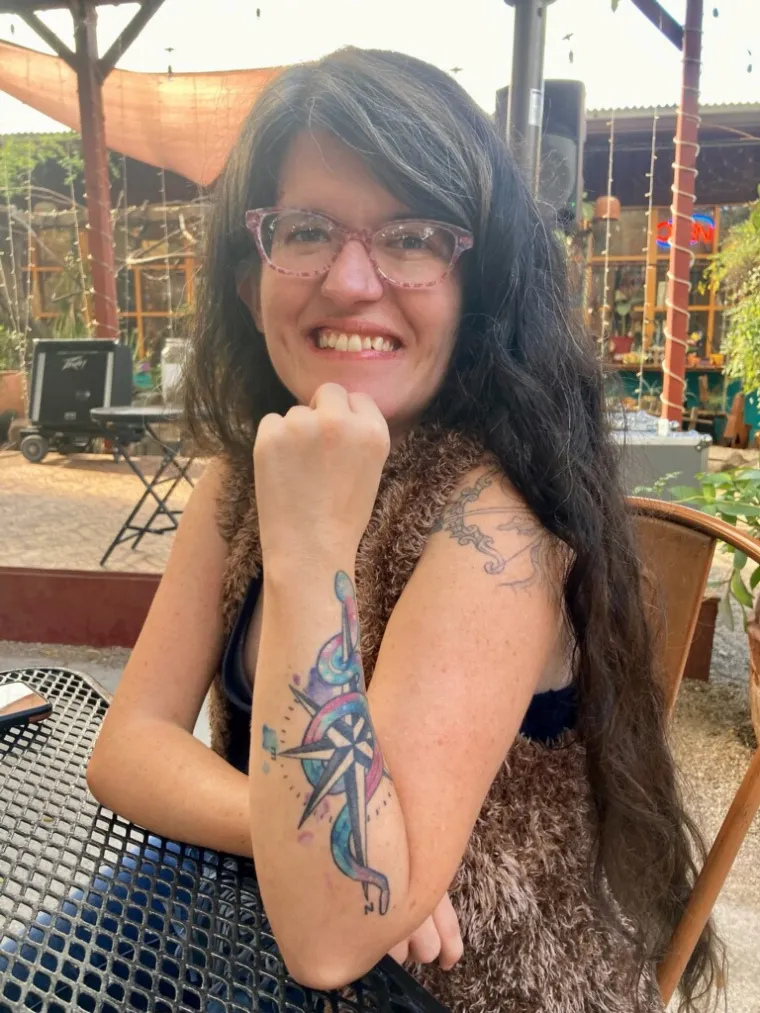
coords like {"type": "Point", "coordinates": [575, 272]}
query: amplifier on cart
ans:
{"type": "Point", "coordinates": [71, 377]}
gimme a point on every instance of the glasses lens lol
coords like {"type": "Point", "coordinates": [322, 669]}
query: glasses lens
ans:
{"type": "Point", "coordinates": [299, 241]}
{"type": "Point", "coordinates": [415, 253]}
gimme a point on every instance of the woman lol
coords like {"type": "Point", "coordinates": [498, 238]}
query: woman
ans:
{"type": "Point", "coordinates": [385, 350]}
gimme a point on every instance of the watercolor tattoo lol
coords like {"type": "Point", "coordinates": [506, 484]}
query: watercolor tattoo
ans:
{"type": "Point", "coordinates": [461, 518]}
{"type": "Point", "coordinates": [339, 753]}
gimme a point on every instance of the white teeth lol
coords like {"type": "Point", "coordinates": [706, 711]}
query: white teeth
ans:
{"type": "Point", "coordinates": [341, 342]}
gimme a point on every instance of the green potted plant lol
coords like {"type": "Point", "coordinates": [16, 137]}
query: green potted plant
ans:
{"type": "Point", "coordinates": [12, 376]}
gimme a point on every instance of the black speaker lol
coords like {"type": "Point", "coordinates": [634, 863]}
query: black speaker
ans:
{"type": "Point", "coordinates": [71, 377]}
{"type": "Point", "coordinates": [563, 129]}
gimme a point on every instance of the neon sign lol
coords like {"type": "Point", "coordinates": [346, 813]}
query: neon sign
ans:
{"type": "Point", "coordinates": [702, 231]}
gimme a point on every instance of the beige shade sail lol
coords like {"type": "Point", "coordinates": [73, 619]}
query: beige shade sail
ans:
{"type": "Point", "coordinates": [183, 122]}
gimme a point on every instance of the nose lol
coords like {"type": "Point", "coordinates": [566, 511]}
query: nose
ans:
{"type": "Point", "coordinates": [352, 278]}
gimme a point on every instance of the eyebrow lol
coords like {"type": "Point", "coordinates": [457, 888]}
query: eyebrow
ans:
{"type": "Point", "coordinates": [398, 216]}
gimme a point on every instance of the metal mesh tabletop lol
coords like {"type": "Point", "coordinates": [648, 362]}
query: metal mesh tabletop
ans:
{"type": "Point", "coordinates": [99, 915]}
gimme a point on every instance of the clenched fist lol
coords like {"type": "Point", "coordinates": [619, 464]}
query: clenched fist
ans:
{"type": "Point", "coordinates": [438, 938]}
{"type": "Point", "coordinates": [317, 470]}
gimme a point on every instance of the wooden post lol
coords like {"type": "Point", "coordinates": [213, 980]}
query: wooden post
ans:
{"type": "Point", "coordinates": [100, 231]}
{"type": "Point", "coordinates": [682, 210]}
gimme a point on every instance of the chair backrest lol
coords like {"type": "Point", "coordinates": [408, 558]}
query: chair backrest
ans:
{"type": "Point", "coordinates": [677, 544]}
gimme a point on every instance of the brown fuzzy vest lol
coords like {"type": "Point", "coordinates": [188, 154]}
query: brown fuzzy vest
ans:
{"type": "Point", "coordinates": [534, 938]}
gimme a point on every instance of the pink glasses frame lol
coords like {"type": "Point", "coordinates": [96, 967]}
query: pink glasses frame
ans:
{"type": "Point", "coordinates": [254, 220]}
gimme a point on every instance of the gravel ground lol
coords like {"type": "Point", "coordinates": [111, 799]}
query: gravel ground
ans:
{"type": "Point", "coordinates": [713, 741]}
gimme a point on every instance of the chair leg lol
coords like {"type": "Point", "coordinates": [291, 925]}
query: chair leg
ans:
{"type": "Point", "coordinates": [711, 879]}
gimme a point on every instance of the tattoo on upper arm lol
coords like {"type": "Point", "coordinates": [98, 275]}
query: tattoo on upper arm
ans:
{"type": "Point", "coordinates": [461, 518]}
{"type": "Point", "coordinates": [339, 753]}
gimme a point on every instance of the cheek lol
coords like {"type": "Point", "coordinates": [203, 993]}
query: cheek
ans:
{"type": "Point", "coordinates": [281, 300]}
{"type": "Point", "coordinates": [436, 317]}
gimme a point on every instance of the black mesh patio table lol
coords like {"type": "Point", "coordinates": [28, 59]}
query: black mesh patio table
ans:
{"type": "Point", "coordinates": [99, 915]}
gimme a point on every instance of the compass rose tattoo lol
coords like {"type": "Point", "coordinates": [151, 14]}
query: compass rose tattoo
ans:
{"type": "Point", "coordinates": [339, 753]}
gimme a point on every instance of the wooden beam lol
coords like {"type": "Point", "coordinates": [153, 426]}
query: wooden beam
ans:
{"type": "Point", "coordinates": [99, 227]}
{"type": "Point", "coordinates": [120, 45]}
{"type": "Point", "coordinates": [50, 37]}
{"type": "Point", "coordinates": [660, 18]}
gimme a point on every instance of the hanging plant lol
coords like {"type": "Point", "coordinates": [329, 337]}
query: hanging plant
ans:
{"type": "Point", "coordinates": [737, 268]}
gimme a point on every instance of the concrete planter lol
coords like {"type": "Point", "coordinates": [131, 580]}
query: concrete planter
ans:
{"type": "Point", "coordinates": [12, 392]}
{"type": "Point", "coordinates": [92, 608]}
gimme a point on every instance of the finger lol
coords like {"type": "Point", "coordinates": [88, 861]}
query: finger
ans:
{"type": "Point", "coordinates": [400, 952]}
{"type": "Point", "coordinates": [331, 398]}
{"type": "Point", "coordinates": [362, 404]}
{"type": "Point", "coordinates": [425, 944]}
{"type": "Point", "coordinates": [447, 925]}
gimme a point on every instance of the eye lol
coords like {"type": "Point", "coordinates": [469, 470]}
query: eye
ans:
{"type": "Point", "coordinates": [417, 240]}
{"type": "Point", "coordinates": [308, 234]}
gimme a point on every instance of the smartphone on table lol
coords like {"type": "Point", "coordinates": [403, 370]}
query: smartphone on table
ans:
{"type": "Point", "coordinates": [20, 705]}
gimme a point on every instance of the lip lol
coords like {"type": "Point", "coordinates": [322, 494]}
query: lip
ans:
{"type": "Point", "coordinates": [357, 325]}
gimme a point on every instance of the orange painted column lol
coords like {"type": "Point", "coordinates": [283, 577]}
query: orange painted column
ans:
{"type": "Point", "coordinates": [682, 210]}
{"type": "Point", "coordinates": [100, 231]}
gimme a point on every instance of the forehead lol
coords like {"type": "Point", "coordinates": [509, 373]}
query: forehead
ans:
{"type": "Point", "coordinates": [320, 173]}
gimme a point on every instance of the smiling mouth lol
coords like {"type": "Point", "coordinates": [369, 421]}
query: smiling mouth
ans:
{"type": "Point", "coordinates": [326, 339]}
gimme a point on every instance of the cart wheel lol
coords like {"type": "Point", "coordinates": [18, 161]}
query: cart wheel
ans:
{"type": "Point", "coordinates": [34, 448]}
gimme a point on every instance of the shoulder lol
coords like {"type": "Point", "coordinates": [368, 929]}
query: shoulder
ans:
{"type": "Point", "coordinates": [488, 519]}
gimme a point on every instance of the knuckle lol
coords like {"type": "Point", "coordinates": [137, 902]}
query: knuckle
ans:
{"type": "Point", "coordinates": [425, 943]}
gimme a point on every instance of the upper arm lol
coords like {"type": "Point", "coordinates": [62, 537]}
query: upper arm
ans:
{"type": "Point", "coordinates": [463, 652]}
{"type": "Point", "coordinates": [177, 652]}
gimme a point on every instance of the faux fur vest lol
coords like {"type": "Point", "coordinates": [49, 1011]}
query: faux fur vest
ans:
{"type": "Point", "coordinates": [534, 939]}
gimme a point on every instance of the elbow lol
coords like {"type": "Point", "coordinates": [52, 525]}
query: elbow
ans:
{"type": "Point", "coordinates": [100, 776]}
{"type": "Point", "coordinates": [325, 971]}
{"type": "Point", "coordinates": [96, 776]}
{"type": "Point", "coordinates": [320, 977]}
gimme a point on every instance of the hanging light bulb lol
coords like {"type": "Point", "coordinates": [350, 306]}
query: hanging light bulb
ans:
{"type": "Point", "coordinates": [716, 12]}
{"type": "Point", "coordinates": [749, 65]}
{"type": "Point", "coordinates": [169, 50]}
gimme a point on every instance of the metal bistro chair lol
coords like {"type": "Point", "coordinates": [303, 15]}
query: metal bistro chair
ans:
{"type": "Point", "coordinates": [677, 544]}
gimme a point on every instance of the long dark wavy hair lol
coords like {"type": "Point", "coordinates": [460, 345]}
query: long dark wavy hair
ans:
{"type": "Point", "coordinates": [524, 378]}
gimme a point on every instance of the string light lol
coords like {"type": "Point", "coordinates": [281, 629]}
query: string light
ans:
{"type": "Point", "coordinates": [648, 321]}
{"type": "Point", "coordinates": [603, 330]}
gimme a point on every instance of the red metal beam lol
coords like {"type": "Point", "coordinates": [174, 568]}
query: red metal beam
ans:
{"type": "Point", "coordinates": [682, 210]}
{"type": "Point", "coordinates": [660, 18]}
{"type": "Point", "coordinates": [99, 230]}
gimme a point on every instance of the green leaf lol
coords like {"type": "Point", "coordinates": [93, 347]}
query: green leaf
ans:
{"type": "Point", "coordinates": [750, 475]}
{"type": "Point", "coordinates": [720, 478]}
{"type": "Point", "coordinates": [734, 508]}
{"type": "Point", "coordinates": [739, 590]}
{"type": "Point", "coordinates": [740, 559]}
{"type": "Point", "coordinates": [709, 492]}
{"type": "Point", "coordinates": [754, 579]}
{"type": "Point", "coordinates": [686, 494]}
{"type": "Point", "coordinates": [724, 612]}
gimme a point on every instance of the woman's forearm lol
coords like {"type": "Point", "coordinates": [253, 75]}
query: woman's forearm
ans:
{"type": "Point", "coordinates": [159, 776]}
{"type": "Point", "coordinates": [329, 837]}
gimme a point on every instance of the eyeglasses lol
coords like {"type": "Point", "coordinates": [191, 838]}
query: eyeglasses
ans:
{"type": "Point", "coordinates": [414, 253]}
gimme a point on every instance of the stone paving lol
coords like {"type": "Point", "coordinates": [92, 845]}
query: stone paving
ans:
{"type": "Point", "coordinates": [63, 513]}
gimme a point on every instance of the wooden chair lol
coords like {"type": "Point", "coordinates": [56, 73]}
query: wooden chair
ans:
{"type": "Point", "coordinates": [677, 545]}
